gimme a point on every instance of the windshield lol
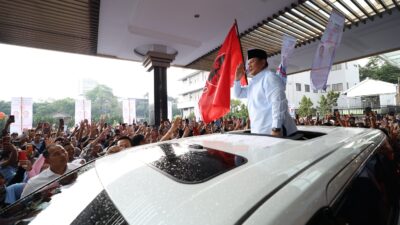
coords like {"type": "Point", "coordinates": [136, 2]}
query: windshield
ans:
{"type": "Point", "coordinates": [24, 210]}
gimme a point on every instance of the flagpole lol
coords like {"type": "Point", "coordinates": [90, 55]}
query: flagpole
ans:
{"type": "Point", "coordinates": [241, 49]}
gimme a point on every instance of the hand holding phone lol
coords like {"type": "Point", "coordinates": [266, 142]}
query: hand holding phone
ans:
{"type": "Point", "coordinates": [11, 119]}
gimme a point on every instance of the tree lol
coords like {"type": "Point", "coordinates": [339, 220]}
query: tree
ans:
{"type": "Point", "coordinates": [323, 107]}
{"type": "Point", "coordinates": [327, 103]}
{"type": "Point", "coordinates": [5, 107]}
{"type": "Point", "coordinates": [305, 107]}
{"type": "Point", "coordinates": [378, 69]}
{"type": "Point", "coordinates": [238, 109]}
{"type": "Point", "coordinates": [175, 110]}
{"type": "Point", "coordinates": [45, 111]}
{"type": "Point", "coordinates": [104, 103]}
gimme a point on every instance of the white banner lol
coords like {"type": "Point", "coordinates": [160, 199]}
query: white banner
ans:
{"type": "Point", "coordinates": [288, 44]}
{"type": "Point", "coordinates": [325, 53]}
{"type": "Point", "coordinates": [170, 110]}
{"type": "Point", "coordinates": [83, 110]}
{"type": "Point", "coordinates": [129, 110]}
{"type": "Point", "coordinates": [21, 108]}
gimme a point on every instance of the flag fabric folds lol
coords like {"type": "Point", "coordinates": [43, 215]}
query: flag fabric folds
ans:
{"type": "Point", "coordinates": [326, 50]}
{"type": "Point", "coordinates": [215, 100]}
{"type": "Point", "coordinates": [288, 44]}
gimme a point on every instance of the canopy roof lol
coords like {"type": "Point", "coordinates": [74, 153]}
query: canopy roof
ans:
{"type": "Point", "coordinates": [370, 87]}
{"type": "Point", "coordinates": [196, 29]}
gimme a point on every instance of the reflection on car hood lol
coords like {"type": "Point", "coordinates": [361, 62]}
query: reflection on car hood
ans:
{"type": "Point", "coordinates": [145, 195]}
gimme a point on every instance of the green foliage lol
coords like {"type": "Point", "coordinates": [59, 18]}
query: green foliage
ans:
{"type": "Point", "coordinates": [45, 111]}
{"type": "Point", "coordinates": [305, 107]}
{"type": "Point", "coordinates": [238, 109]}
{"type": "Point", "coordinates": [104, 103]}
{"type": "Point", "coordinates": [142, 109]}
{"type": "Point", "coordinates": [327, 103]}
{"type": "Point", "coordinates": [378, 69]}
{"type": "Point", "coordinates": [5, 107]}
{"type": "Point", "coordinates": [175, 110]}
{"type": "Point", "coordinates": [323, 107]}
{"type": "Point", "coordinates": [191, 116]}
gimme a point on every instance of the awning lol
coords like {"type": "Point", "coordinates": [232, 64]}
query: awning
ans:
{"type": "Point", "coordinates": [370, 87]}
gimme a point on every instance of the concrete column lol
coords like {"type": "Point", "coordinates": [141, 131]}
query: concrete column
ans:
{"type": "Point", "coordinates": [158, 96]}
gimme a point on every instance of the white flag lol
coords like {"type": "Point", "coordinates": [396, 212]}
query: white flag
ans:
{"type": "Point", "coordinates": [326, 49]}
{"type": "Point", "coordinates": [129, 110]}
{"type": "Point", "coordinates": [21, 108]}
{"type": "Point", "coordinates": [288, 44]}
{"type": "Point", "coordinates": [83, 110]}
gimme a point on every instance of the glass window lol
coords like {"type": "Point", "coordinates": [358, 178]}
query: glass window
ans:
{"type": "Point", "coordinates": [307, 88]}
{"type": "Point", "coordinates": [100, 211]}
{"type": "Point", "coordinates": [298, 87]}
{"type": "Point", "coordinates": [336, 67]}
{"type": "Point", "coordinates": [194, 164]}
{"type": "Point", "coordinates": [337, 87]}
{"type": "Point", "coordinates": [315, 91]}
{"type": "Point", "coordinates": [371, 198]}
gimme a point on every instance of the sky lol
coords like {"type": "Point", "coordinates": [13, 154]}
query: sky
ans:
{"type": "Point", "coordinates": [46, 75]}
{"type": "Point", "coordinates": [49, 75]}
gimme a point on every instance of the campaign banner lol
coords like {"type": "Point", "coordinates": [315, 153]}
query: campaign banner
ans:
{"type": "Point", "coordinates": [326, 49]}
{"type": "Point", "coordinates": [288, 44]}
{"type": "Point", "coordinates": [170, 110]}
{"type": "Point", "coordinates": [129, 110]}
{"type": "Point", "coordinates": [22, 109]}
{"type": "Point", "coordinates": [83, 110]}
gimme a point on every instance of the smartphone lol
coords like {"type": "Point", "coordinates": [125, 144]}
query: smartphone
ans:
{"type": "Point", "coordinates": [29, 149]}
{"type": "Point", "coordinates": [22, 156]}
{"type": "Point", "coordinates": [12, 119]}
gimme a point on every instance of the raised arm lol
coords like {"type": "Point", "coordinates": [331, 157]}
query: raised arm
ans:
{"type": "Point", "coordinates": [239, 91]}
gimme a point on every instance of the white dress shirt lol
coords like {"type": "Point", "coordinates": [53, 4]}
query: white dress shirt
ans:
{"type": "Point", "coordinates": [267, 103]}
{"type": "Point", "coordinates": [44, 178]}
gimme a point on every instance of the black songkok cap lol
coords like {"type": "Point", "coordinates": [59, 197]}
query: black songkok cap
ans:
{"type": "Point", "coordinates": [256, 53]}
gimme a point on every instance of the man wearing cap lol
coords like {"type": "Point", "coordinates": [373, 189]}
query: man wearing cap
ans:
{"type": "Point", "coordinates": [266, 99]}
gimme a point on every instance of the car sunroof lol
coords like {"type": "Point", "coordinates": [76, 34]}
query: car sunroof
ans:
{"type": "Point", "coordinates": [193, 164]}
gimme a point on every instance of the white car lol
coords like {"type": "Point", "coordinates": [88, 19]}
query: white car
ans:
{"type": "Point", "coordinates": [322, 176]}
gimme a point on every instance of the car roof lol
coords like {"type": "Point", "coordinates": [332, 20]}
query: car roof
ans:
{"type": "Point", "coordinates": [143, 194]}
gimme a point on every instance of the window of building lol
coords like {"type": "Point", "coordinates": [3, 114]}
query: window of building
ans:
{"type": "Point", "coordinates": [337, 87]}
{"type": "Point", "coordinates": [336, 67]}
{"type": "Point", "coordinates": [315, 91]}
{"type": "Point", "coordinates": [298, 87]}
{"type": "Point", "coordinates": [307, 88]}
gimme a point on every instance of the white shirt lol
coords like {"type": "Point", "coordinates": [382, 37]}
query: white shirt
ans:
{"type": "Point", "coordinates": [44, 178]}
{"type": "Point", "coordinates": [267, 103]}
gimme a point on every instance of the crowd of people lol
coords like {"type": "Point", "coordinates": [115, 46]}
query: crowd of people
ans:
{"type": "Point", "coordinates": [37, 156]}
{"type": "Point", "coordinates": [388, 123]}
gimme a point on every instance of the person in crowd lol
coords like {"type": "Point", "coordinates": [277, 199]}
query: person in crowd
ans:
{"type": "Point", "coordinates": [57, 158]}
{"type": "Point", "coordinates": [267, 103]}
{"type": "Point", "coordinates": [138, 139]}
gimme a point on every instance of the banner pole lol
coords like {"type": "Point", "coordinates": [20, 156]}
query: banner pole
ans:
{"type": "Point", "coordinates": [241, 49]}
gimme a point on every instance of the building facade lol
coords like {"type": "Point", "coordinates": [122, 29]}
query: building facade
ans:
{"type": "Point", "coordinates": [192, 88]}
{"type": "Point", "coordinates": [342, 77]}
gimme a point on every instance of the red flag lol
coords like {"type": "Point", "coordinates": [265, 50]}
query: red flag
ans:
{"type": "Point", "coordinates": [215, 100]}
